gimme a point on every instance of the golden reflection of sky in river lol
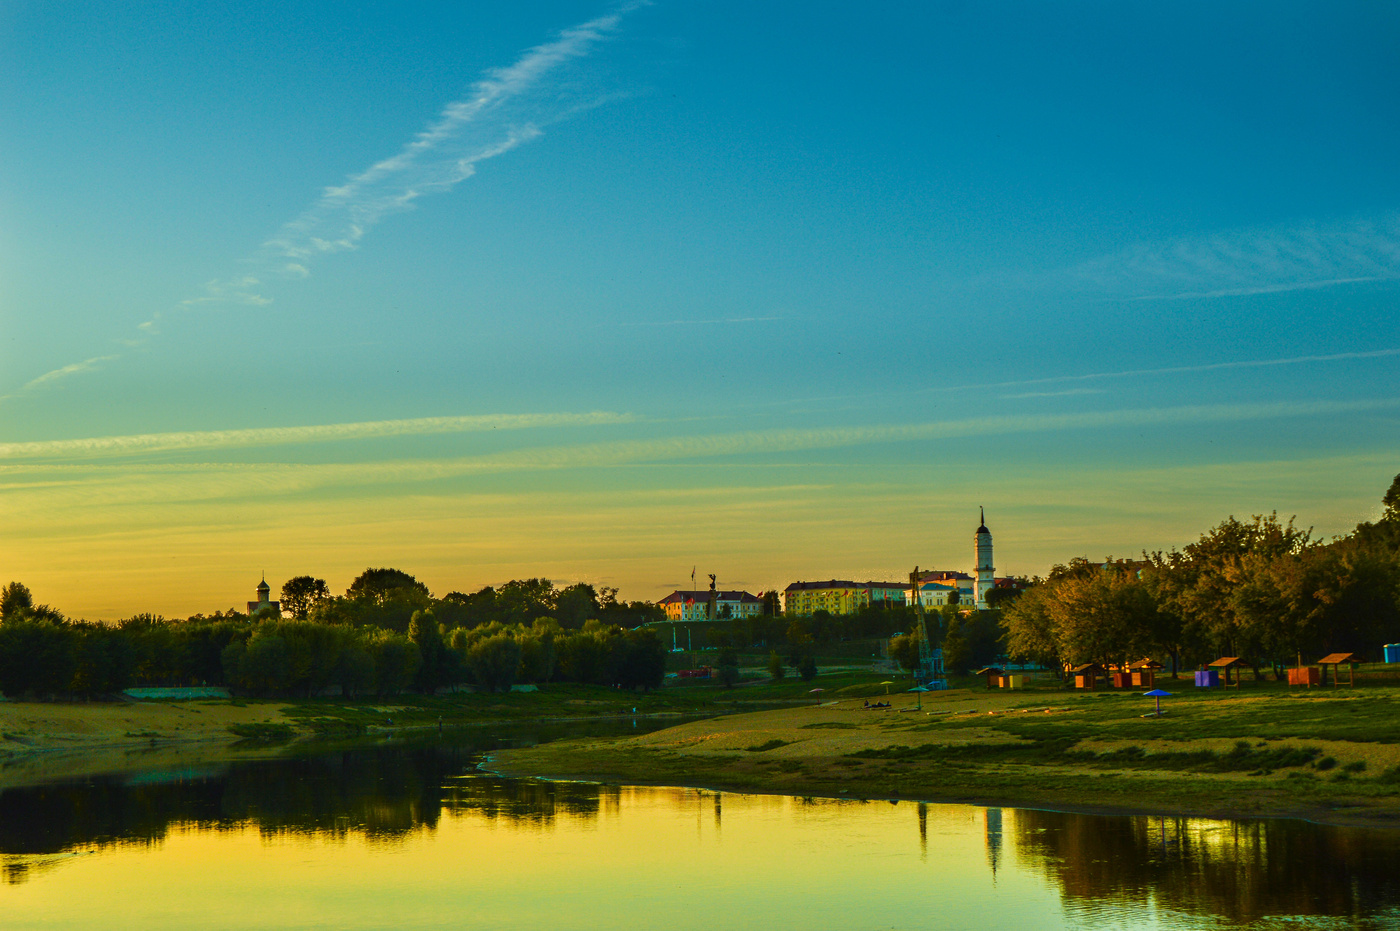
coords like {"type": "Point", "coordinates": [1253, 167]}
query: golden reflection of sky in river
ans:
{"type": "Point", "coordinates": [636, 859]}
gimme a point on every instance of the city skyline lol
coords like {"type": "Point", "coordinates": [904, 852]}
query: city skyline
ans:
{"type": "Point", "coordinates": [600, 292]}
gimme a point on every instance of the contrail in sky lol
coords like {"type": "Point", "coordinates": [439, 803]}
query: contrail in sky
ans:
{"type": "Point", "coordinates": [503, 110]}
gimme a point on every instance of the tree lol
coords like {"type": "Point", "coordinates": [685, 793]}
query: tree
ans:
{"type": "Point", "coordinates": [776, 667]}
{"type": "Point", "coordinates": [423, 631]}
{"type": "Point", "coordinates": [643, 663]}
{"type": "Point", "coordinates": [378, 586]}
{"type": "Point", "coordinates": [572, 606]}
{"type": "Point", "coordinates": [1030, 632]}
{"type": "Point", "coordinates": [807, 669]}
{"type": "Point", "coordinates": [904, 650]}
{"type": "Point", "coordinates": [493, 661]}
{"type": "Point", "coordinates": [15, 600]}
{"type": "Point", "coordinates": [1391, 501]}
{"type": "Point", "coordinates": [300, 595]}
{"type": "Point", "coordinates": [1101, 618]}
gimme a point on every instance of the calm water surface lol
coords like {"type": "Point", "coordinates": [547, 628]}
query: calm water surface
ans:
{"type": "Point", "coordinates": [409, 835]}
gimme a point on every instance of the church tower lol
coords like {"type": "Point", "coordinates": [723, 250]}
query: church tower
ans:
{"type": "Point", "coordinates": [986, 573]}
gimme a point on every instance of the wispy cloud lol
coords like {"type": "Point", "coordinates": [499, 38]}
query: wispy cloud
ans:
{"type": "Point", "coordinates": [1051, 394]}
{"type": "Point", "coordinates": [505, 109]}
{"type": "Point", "coordinates": [1194, 369]}
{"type": "Point", "coordinates": [1247, 262]}
{"type": "Point", "coordinates": [707, 322]}
{"type": "Point", "coordinates": [48, 378]}
{"type": "Point", "coordinates": [278, 436]}
{"type": "Point", "coordinates": [502, 111]}
{"type": "Point", "coordinates": [68, 489]}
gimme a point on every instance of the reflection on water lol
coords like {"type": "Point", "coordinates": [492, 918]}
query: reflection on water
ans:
{"type": "Point", "coordinates": [1239, 871]}
{"type": "Point", "coordinates": [412, 831]}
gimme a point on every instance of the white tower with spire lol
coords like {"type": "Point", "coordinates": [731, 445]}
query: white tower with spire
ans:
{"type": "Point", "coordinates": [986, 573]}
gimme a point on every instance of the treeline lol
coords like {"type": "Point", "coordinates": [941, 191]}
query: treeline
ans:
{"type": "Point", "coordinates": [387, 635]}
{"type": "Point", "coordinates": [1262, 590]}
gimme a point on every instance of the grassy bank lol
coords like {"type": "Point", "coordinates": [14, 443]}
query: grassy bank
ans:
{"type": "Point", "coordinates": [1321, 754]}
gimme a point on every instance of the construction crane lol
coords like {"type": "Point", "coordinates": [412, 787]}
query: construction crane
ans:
{"type": "Point", "coordinates": [930, 672]}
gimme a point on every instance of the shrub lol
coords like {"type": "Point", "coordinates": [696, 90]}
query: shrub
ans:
{"type": "Point", "coordinates": [776, 667]}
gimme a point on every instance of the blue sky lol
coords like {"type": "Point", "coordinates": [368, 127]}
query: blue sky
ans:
{"type": "Point", "coordinates": [605, 292]}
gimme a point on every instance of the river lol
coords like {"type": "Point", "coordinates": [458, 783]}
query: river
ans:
{"type": "Point", "coordinates": [409, 834]}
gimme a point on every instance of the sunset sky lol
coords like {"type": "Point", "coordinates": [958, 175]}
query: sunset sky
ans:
{"type": "Point", "coordinates": [604, 293]}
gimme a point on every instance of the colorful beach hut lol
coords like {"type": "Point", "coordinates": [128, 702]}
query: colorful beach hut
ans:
{"type": "Point", "coordinates": [1144, 672]}
{"type": "Point", "coordinates": [993, 675]}
{"type": "Point", "coordinates": [1087, 675]}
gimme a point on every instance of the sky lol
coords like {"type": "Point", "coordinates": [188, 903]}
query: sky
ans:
{"type": "Point", "coordinates": [608, 293]}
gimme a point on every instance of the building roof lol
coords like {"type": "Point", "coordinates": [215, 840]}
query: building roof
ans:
{"type": "Point", "coordinates": [837, 583]}
{"type": "Point", "coordinates": [937, 587]}
{"type": "Point", "coordinates": [982, 527]}
{"type": "Point", "coordinates": [936, 575]}
{"type": "Point", "coordinates": [703, 595]}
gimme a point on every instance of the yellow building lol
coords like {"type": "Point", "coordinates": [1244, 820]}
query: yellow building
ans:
{"type": "Point", "coordinates": [838, 597]}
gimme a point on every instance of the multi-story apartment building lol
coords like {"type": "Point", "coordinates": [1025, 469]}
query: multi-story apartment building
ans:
{"type": "Point", "coordinates": [839, 597]}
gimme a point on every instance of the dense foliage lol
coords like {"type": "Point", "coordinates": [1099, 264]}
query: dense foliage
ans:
{"type": "Point", "coordinates": [1262, 590]}
{"type": "Point", "coordinates": [387, 635]}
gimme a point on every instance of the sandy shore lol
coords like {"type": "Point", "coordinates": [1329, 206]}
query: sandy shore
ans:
{"type": "Point", "coordinates": [40, 741]}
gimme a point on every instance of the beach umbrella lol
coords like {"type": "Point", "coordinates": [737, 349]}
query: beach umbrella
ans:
{"type": "Point", "coordinates": [887, 683]}
{"type": "Point", "coordinates": [817, 690]}
{"type": "Point", "coordinates": [920, 696]}
{"type": "Point", "coordinates": [1158, 694]}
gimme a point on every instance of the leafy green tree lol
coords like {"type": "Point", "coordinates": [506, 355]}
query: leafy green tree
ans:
{"type": "Point", "coordinates": [1030, 631]}
{"type": "Point", "coordinates": [103, 659]}
{"type": "Point", "coordinates": [904, 650]}
{"type": "Point", "coordinates": [396, 661]}
{"type": "Point", "coordinates": [423, 631]}
{"type": "Point", "coordinates": [776, 667]}
{"type": "Point", "coordinates": [493, 662]}
{"type": "Point", "coordinates": [15, 600]}
{"type": "Point", "coordinates": [807, 669]}
{"type": "Point", "coordinates": [537, 651]}
{"type": "Point", "coordinates": [643, 663]}
{"type": "Point", "coordinates": [354, 670]}
{"type": "Point", "coordinates": [1103, 617]}
{"type": "Point", "coordinates": [378, 586]}
{"type": "Point", "coordinates": [37, 656]}
{"type": "Point", "coordinates": [259, 666]}
{"type": "Point", "coordinates": [574, 605]}
{"type": "Point", "coordinates": [300, 595]}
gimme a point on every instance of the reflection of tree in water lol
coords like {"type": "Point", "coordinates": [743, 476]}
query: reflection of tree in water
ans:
{"type": "Point", "coordinates": [381, 793]}
{"type": "Point", "coordinates": [1238, 871]}
{"type": "Point", "coordinates": [528, 802]}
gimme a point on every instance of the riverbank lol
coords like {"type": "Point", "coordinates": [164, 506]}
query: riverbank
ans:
{"type": "Point", "coordinates": [46, 741]}
{"type": "Point", "coordinates": [1330, 756]}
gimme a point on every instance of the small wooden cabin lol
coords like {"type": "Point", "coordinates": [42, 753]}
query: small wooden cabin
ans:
{"type": "Point", "coordinates": [1087, 675]}
{"type": "Point", "coordinates": [993, 675]}
{"type": "Point", "coordinates": [1144, 672]}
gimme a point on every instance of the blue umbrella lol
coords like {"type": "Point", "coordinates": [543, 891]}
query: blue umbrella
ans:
{"type": "Point", "coordinates": [1158, 694]}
